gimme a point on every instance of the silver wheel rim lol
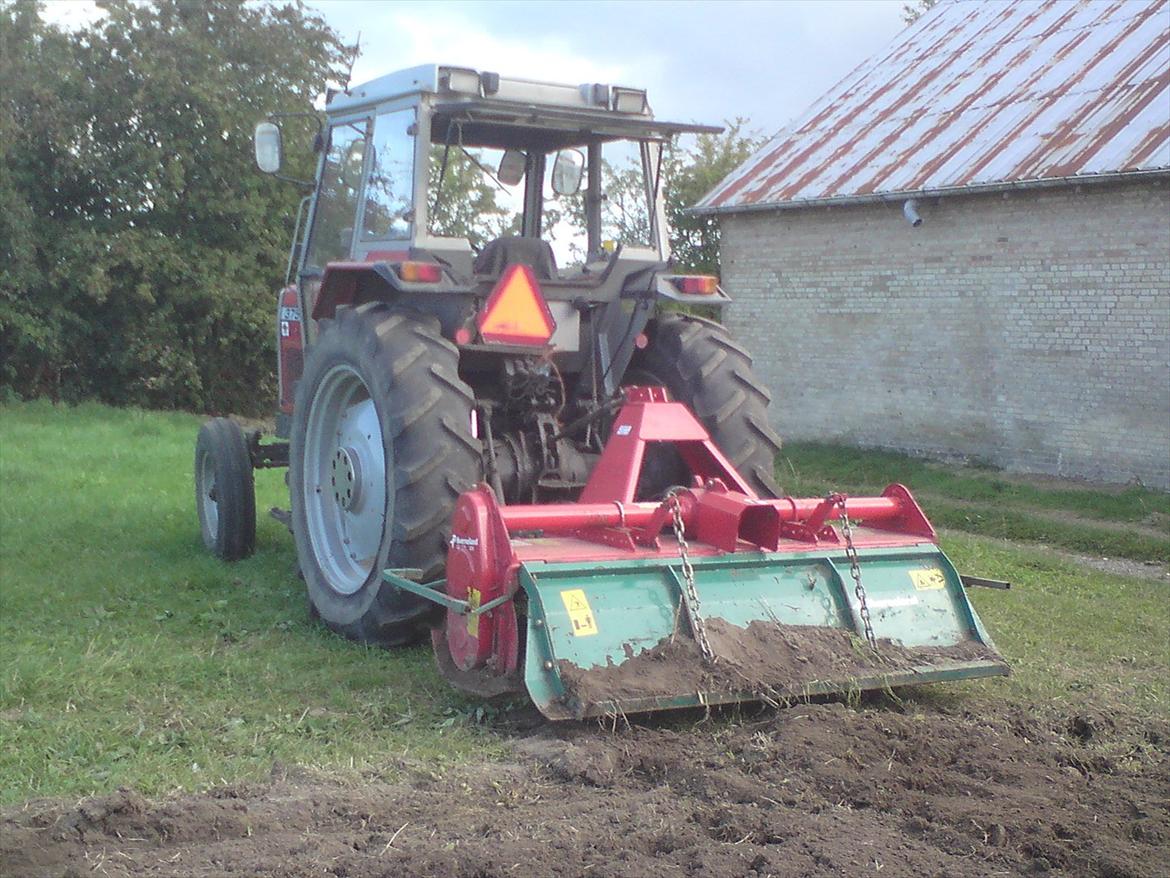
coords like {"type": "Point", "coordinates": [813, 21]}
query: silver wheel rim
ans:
{"type": "Point", "coordinates": [344, 480]}
{"type": "Point", "coordinates": [208, 499]}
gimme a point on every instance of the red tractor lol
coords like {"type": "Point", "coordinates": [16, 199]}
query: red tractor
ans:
{"type": "Point", "coordinates": [414, 365]}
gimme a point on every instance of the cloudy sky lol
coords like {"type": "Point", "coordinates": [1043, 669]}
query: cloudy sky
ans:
{"type": "Point", "coordinates": [700, 61]}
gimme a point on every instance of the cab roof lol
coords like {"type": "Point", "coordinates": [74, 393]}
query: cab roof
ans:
{"type": "Point", "coordinates": [486, 109]}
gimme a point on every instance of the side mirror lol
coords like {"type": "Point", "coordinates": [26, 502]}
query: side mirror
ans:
{"type": "Point", "coordinates": [567, 171]}
{"type": "Point", "coordinates": [512, 167]}
{"type": "Point", "coordinates": [269, 150]}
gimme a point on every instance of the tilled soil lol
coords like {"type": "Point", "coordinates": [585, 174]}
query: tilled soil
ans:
{"type": "Point", "coordinates": [776, 662]}
{"type": "Point", "coordinates": [813, 790]}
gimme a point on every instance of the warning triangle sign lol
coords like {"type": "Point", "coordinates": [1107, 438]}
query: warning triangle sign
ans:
{"type": "Point", "coordinates": [516, 312]}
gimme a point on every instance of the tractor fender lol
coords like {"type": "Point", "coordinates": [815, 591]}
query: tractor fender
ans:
{"type": "Point", "coordinates": [352, 283]}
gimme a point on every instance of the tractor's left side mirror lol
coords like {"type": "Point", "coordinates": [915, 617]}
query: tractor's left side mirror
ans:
{"type": "Point", "coordinates": [566, 172]}
{"type": "Point", "coordinates": [512, 166]}
{"type": "Point", "coordinates": [269, 151]}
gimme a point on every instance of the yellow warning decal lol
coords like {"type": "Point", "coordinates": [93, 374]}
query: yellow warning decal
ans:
{"type": "Point", "coordinates": [580, 613]}
{"type": "Point", "coordinates": [473, 597]}
{"type": "Point", "coordinates": [930, 579]}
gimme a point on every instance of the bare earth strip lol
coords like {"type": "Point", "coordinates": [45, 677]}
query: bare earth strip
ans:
{"type": "Point", "coordinates": [886, 788]}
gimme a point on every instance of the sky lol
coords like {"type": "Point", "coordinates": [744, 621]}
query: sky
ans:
{"type": "Point", "coordinates": [700, 61]}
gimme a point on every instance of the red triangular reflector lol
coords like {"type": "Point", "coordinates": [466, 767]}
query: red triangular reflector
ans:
{"type": "Point", "coordinates": [516, 312]}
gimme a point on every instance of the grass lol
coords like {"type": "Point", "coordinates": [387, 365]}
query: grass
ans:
{"type": "Point", "coordinates": [1130, 522]}
{"type": "Point", "coordinates": [132, 658]}
{"type": "Point", "coordinates": [1073, 635]}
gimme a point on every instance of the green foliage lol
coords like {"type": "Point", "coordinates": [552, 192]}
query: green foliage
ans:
{"type": "Point", "coordinates": [691, 172]}
{"type": "Point", "coordinates": [465, 204]}
{"type": "Point", "coordinates": [140, 249]}
{"type": "Point", "coordinates": [911, 12]}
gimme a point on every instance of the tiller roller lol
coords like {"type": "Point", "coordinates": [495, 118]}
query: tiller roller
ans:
{"type": "Point", "coordinates": [612, 605]}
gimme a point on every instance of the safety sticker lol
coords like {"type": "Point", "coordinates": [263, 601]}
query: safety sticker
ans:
{"type": "Point", "coordinates": [930, 579]}
{"type": "Point", "coordinates": [580, 613]}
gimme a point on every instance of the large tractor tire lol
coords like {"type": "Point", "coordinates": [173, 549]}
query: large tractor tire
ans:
{"type": "Point", "coordinates": [225, 491]}
{"type": "Point", "coordinates": [697, 361]}
{"type": "Point", "coordinates": [381, 447]}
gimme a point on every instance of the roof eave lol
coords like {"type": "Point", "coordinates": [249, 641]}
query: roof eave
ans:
{"type": "Point", "coordinates": [974, 189]}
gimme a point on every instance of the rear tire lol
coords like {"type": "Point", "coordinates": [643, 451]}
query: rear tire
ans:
{"type": "Point", "coordinates": [697, 361]}
{"type": "Point", "coordinates": [225, 491]}
{"type": "Point", "coordinates": [381, 447]}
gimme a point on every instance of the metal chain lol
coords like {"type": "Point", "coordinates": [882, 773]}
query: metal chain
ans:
{"type": "Point", "coordinates": [855, 572]}
{"type": "Point", "coordinates": [691, 598]}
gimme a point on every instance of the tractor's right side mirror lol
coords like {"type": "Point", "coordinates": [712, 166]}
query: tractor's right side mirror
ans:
{"type": "Point", "coordinates": [512, 166]}
{"type": "Point", "coordinates": [566, 172]}
{"type": "Point", "coordinates": [269, 150]}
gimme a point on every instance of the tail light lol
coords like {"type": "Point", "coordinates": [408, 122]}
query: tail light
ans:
{"type": "Point", "coordinates": [696, 284]}
{"type": "Point", "coordinates": [516, 312]}
{"type": "Point", "coordinates": [419, 272]}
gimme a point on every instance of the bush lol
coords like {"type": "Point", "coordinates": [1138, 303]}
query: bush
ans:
{"type": "Point", "coordinates": [140, 252]}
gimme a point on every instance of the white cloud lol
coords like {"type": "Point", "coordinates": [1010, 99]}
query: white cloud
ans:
{"type": "Point", "coordinates": [426, 38]}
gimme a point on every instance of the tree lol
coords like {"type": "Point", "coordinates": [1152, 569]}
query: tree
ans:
{"type": "Point", "coordinates": [466, 203]}
{"type": "Point", "coordinates": [144, 268]}
{"type": "Point", "coordinates": [690, 173]}
{"type": "Point", "coordinates": [911, 12]}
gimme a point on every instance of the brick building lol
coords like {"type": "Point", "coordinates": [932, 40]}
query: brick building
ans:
{"type": "Point", "coordinates": [1025, 320]}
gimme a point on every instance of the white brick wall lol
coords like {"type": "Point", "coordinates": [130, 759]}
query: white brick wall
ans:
{"type": "Point", "coordinates": [1030, 330]}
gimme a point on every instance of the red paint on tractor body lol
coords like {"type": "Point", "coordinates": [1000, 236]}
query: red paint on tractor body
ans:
{"type": "Point", "coordinates": [290, 346]}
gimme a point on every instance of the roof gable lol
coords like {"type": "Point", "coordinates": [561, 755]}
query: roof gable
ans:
{"type": "Point", "coordinates": [978, 94]}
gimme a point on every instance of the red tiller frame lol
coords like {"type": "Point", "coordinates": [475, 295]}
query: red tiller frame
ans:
{"type": "Point", "coordinates": [719, 508]}
{"type": "Point", "coordinates": [720, 513]}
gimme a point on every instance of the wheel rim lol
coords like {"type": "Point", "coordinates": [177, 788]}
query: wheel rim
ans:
{"type": "Point", "coordinates": [344, 479]}
{"type": "Point", "coordinates": [208, 499]}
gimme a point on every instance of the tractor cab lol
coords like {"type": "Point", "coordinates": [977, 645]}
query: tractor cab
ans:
{"type": "Point", "coordinates": [573, 173]}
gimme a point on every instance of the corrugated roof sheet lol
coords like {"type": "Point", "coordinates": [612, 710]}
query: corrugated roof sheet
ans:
{"type": "Point", "coordinates": [978, 94]}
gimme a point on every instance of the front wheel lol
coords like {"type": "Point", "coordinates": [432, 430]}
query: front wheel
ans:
{"type": "Point", "coordinates": [225, 491]}
{"type": "Point", "coordinates": [381, 448]}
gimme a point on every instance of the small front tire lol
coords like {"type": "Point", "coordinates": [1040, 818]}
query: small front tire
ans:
{"type": "Point", "coordinates": [225, 490]}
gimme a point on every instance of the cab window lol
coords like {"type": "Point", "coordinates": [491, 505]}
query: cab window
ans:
{"type": "Point", "coordinates": [390, 189]}
{"type": "Point", "coordinates": [337, 198]}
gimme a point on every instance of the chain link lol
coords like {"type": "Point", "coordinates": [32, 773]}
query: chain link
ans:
{"type": "Point", "coordinates": [855, 572]}
{"type": "Point", "coordinates": [691, 597]}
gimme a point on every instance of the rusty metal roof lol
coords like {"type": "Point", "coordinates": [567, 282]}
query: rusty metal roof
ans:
{"type": "Point", "coordinates": [978, 95]}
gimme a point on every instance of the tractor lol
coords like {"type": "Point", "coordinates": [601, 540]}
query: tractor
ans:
{"type": "Point", "coordinates": [459, 414]}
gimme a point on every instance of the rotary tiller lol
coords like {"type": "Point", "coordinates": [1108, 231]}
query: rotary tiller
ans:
{"type": "Point", "coordinates": [609, 605]}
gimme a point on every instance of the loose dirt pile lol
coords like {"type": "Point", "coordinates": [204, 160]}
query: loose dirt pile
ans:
{"type": "Point", "coordinates": [777, 662]}
{"type": "Point", "coordinates": [814, 790]}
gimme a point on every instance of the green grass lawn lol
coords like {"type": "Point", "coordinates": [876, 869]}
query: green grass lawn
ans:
{"type": "Point", "coordinates": [131, 657]}
{"type": "Point", "coordinates": [1129, 522]}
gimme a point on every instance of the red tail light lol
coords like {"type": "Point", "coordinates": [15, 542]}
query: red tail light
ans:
{"type": "Point", "coordinates": [696, 284]}
{"type": "Point", "coordinates": [419, 272]}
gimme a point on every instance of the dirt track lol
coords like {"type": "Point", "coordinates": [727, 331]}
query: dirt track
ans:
{"type": "Point", "coordinates": [813, 790]}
